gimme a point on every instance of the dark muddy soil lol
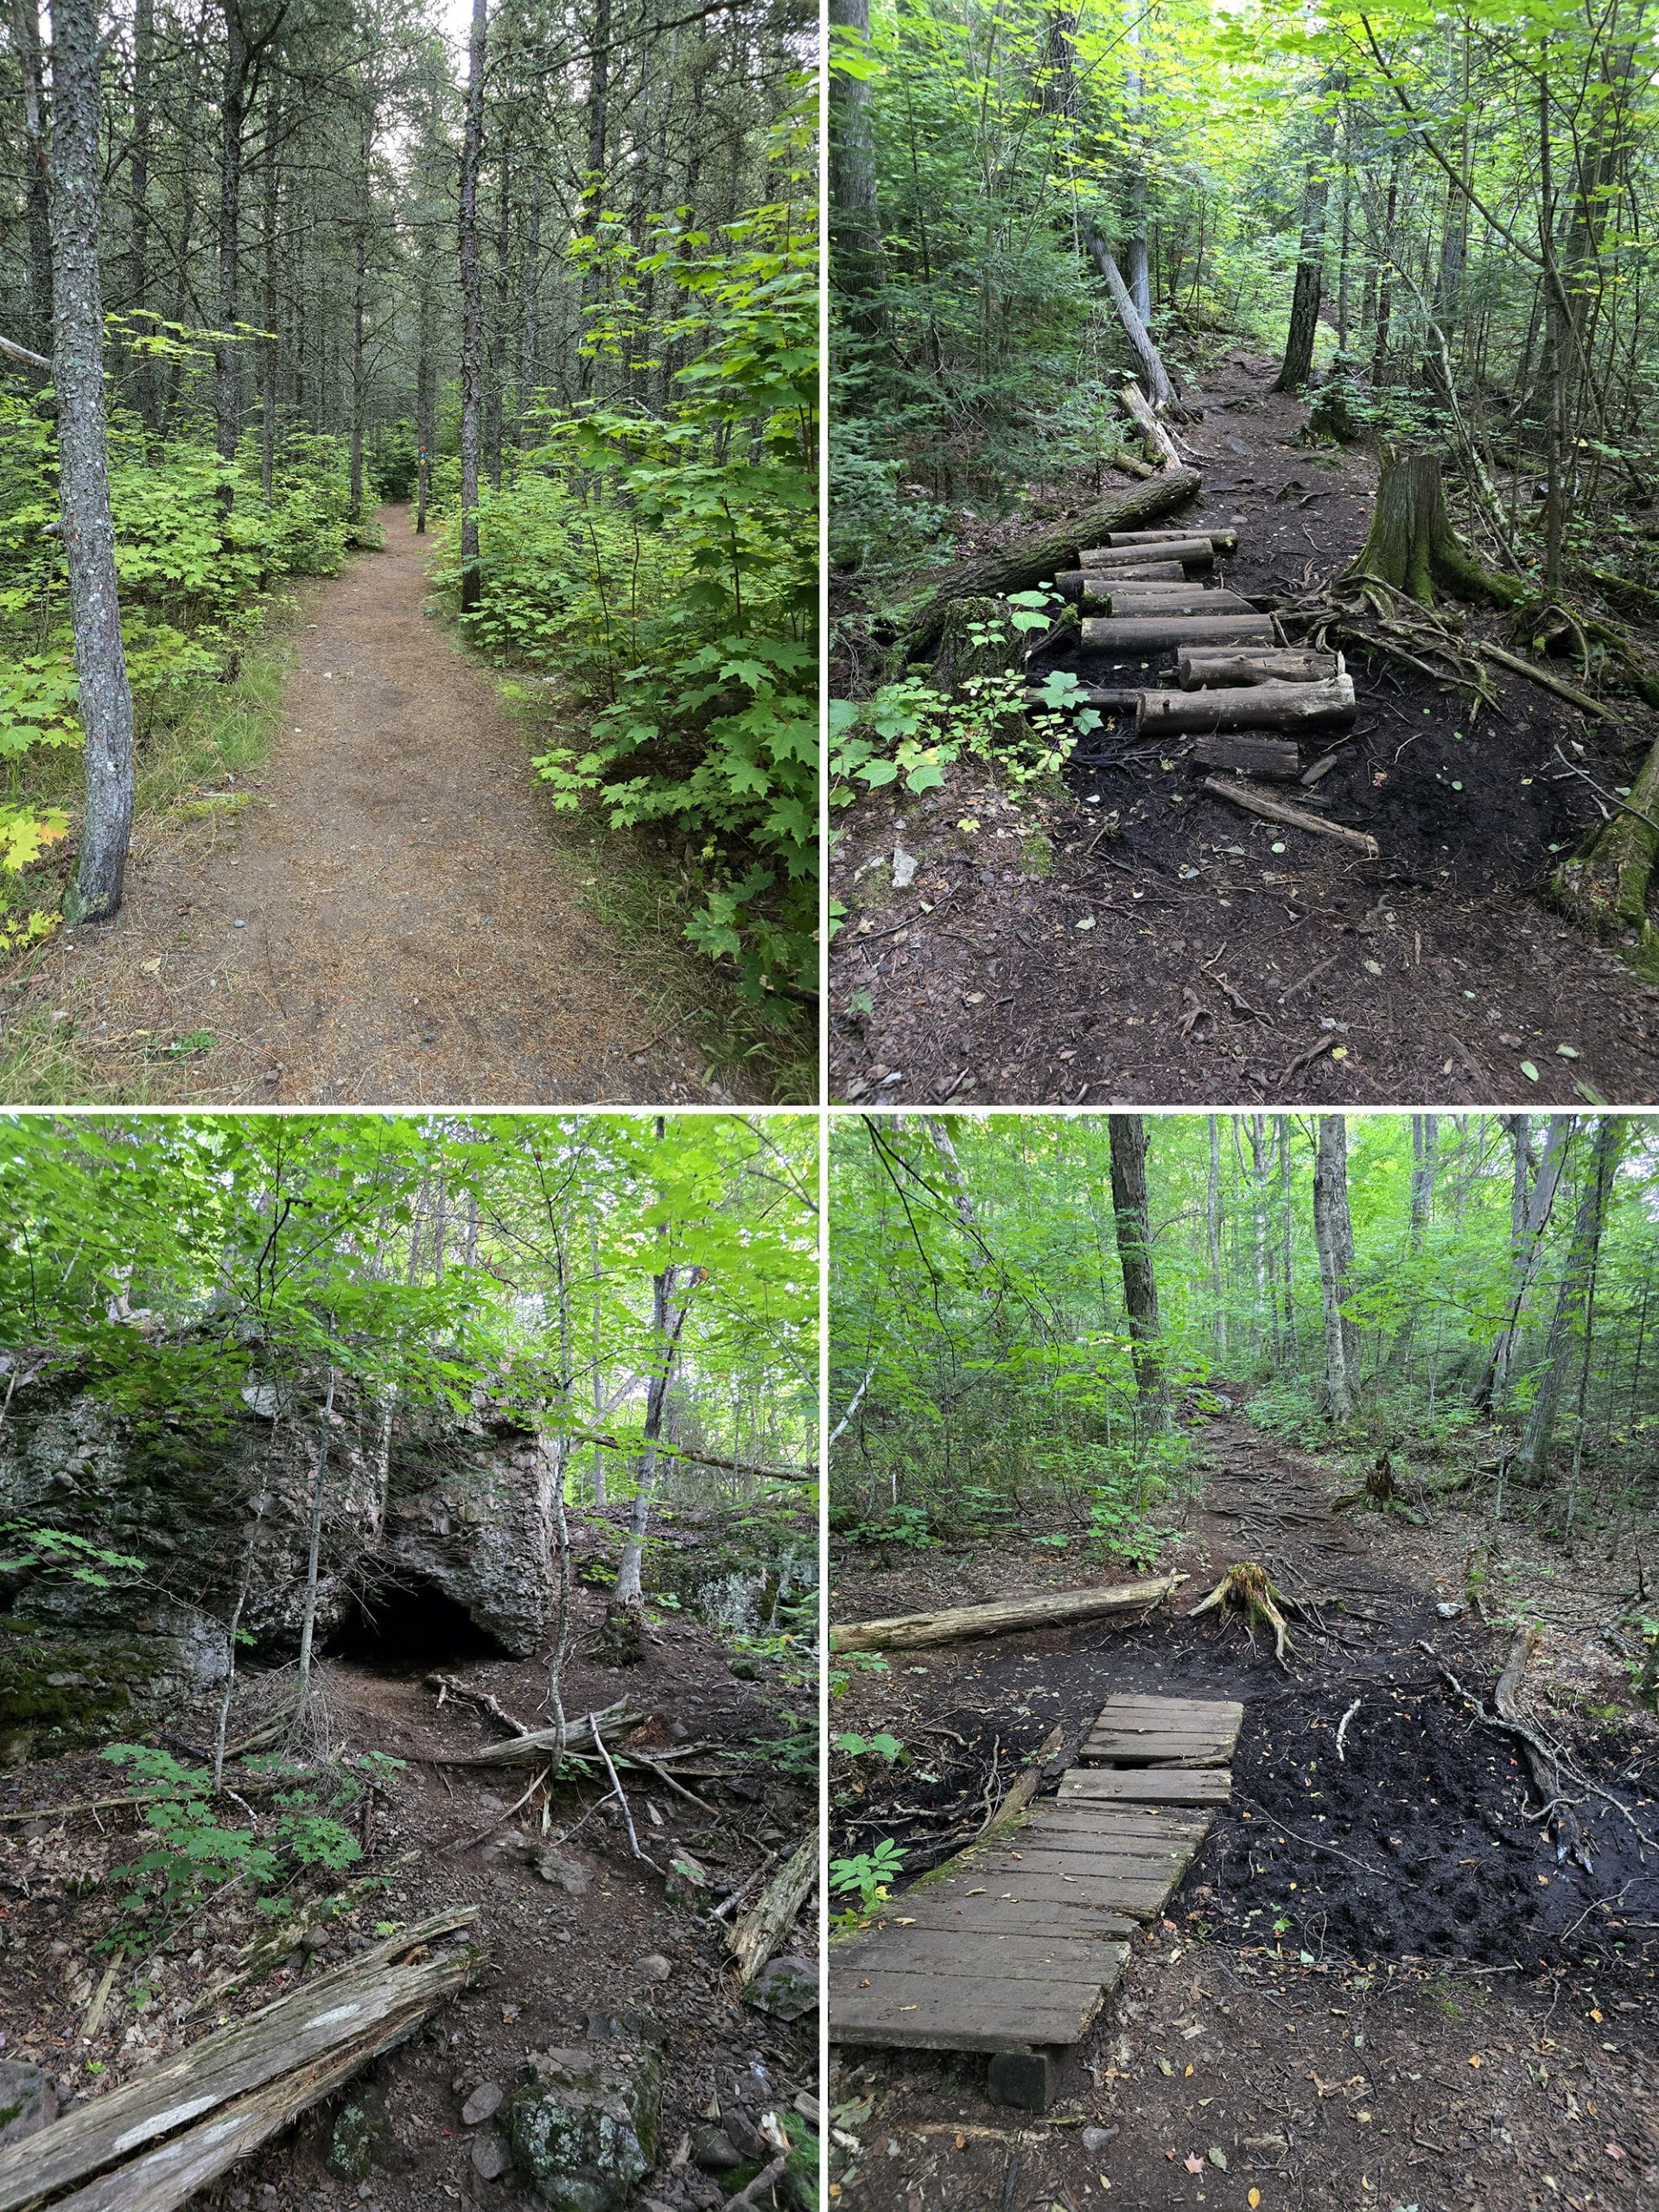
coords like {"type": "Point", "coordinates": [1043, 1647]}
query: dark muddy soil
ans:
{"type": "Point", "coordinates": [561, 1966]}
{"type": "Point", "coordinates": [1371, 1956]}
{"type": "Point", "coordinates": [1197, 954]}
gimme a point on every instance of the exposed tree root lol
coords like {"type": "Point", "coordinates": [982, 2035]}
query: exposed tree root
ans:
{"type": "Point", "coordinates": [1247, 1588]}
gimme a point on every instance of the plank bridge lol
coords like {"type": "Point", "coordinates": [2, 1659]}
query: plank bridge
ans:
{"type": "Point", "coordinates": [1012, 1947]}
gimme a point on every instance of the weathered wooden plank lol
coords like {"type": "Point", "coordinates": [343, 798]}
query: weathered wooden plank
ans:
{"type": "Point", "coordinates": [1168, 1823]}
{"type": "Point", "coordinates": [1078, 1843]}
{"type": "Point", "coordinates": [344, 2006]}
{"type": "Point", "coordinates": [913, 2010]}
{"type": "Point", "coordinates": [983, 1958]}
{"type": "Point", "coordinates": [1037, 1916]}
{"type": "Point", "coordinates": [1132, 1896]}
{"type": "Point", "coordinates": [1148, 1785]}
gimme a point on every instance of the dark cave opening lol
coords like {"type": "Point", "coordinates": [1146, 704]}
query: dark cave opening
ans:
{"type": "Point", "coordinates": [408, 1626]}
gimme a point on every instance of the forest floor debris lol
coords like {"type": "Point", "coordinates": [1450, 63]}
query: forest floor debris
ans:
{"type": "Point", "coordinates": [1378, 1985]}
{"type": "Point", "coordinates": [1436, 974]}
{"type": "Point", "coordinates": [587, 1952]}
{"type": "Point", "coordinates": [398, 917]}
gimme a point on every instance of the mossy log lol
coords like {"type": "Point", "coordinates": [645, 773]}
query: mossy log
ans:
{"type": "Point", "coordinates": [1412, 546]}
{"type": "Point", "coordinates": [1605, 888]}
{"type": "Point", "coordinates": [1027, 561]}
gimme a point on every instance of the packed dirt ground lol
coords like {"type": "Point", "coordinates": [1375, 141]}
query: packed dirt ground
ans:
{"type": "Point", "coordinates": [389, 913]}
{"type": "Point", "coordinates": [1129, 940]}
{"type": "Point", "coordinates": [583, 1944]}
{"type": "Point", "coordinates": [1377, 1985]}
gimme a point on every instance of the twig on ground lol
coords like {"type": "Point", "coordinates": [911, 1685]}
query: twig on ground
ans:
{"type": "Point", "coordinates": [501, 1820]}
{"type": "Point", "coordinates": [621, 1798]}
{"type": "Point", "coordinates": [1312, 1842]}
{"type": "Point", "coordinates": [750, 2193]}
{"type": "Point", "coordinates": [1342, 1727]}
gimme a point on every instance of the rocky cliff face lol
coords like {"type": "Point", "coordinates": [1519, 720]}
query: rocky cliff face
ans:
{"type": "Point", "coordinates": [217, 1506]}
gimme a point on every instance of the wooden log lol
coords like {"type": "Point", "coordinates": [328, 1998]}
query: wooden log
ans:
{"type": "Point", "coordinates": [1223, 541]}
{"type": "Point", "coordinates": [1162, 598]}
{"type": "Point", "coordinates": [1200, 667]}
{"type": "Point", "coordinates": [1293, 817]}
{"type": "Point", "coordinates": [1151, 633]}
{"type": "Point", "coordinates": [1134, 402]}
{"type": "Point", "coordinates": [769, 1919]}
{"type": "Point", "coordinates": [1086, 695]}
{"type": "Point", "coordinates": [351, 2009]}
{"type": "Point", "coordinates": [1190, 552]}
{"type": "Point", "coordinates": [1027, 561]}
{"type": "Point", "coordinates": [536, 1749]}
{"type": "Point", "coordinates": [1253, 706]}
{"type": "Point", "coordinates": [1260, 756]}
{"type": "Point", "coordinates": [1074, 582]}
{"type": "Point", "coordinates": [908, 1631]}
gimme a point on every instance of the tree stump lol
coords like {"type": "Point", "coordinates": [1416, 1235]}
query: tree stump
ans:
{"type": "Point", "coordinates": [1412, 544]}
{"type": "Point", "coordinates": [976, 638]}
{"type": "Point", "coordinates": [1605, 888]}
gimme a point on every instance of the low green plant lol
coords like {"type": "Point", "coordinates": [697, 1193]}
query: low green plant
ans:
{"type": "Point", "coordinates": [195, 1853]}
{"type": "Point", "coordinates": [869, 1875]}
{"type": "Point", "coordinates": [56, 1551]}
{"type": "Point", "coordinates": [882, 1746]}
{"type": "Point", "coordinates": [909, 1525]}
{"type": "Point", "coordinates": [908, 732]}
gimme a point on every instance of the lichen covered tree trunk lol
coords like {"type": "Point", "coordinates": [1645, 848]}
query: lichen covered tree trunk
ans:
{"type": "Point", "coordinates": [83, 466]}
{"type": "Point", "coordinates": [472, 308]}
{"type": "Point", "coordinates": [1412, 544]}
{"type": "Point", "coordinates": [1333, 1237]}
{"type": "Point", "coordinates": [1129, 1213]}
{"type": "Point", "coordinates": [1605, 888]}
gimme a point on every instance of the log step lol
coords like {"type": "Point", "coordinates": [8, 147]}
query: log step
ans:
{"type": "Point", "coordinates": [1222, 541]}
{"type": "Point", "coordinates": [1255, 756]}
{"type": "Point", "coordinates": [1190, 552]}
{"type": "Point", "coordinates": [1203, 666]}
{"type": "Point", "coordinates": [1106, 597]}
{"type": "Point", "coordinates": [1150, 633]}
{"type": "Point", "coordinates": [1253, 706]}
{"type": "Point", "coordinates": [1073, 581]}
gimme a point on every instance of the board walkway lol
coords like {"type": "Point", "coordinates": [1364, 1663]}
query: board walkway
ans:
{"type": "Point", "coordinates": [1012, 1947]}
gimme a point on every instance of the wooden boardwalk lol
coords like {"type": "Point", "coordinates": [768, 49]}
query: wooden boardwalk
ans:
{"type": "Point", "coordinates": [1012, 1947]}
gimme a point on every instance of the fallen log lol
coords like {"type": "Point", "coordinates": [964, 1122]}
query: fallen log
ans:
{"type": "Point", "coordinates": [1086, 695]}
{"type": "Point", "coordinates": [1253, 706]}
{"type": "Point", "coordinates": [534, 1749]}
{"type": "Point", "coordinates": [1151, 633]}
{"type": "Point", "coordinates": [1190, 552]}
{"type": "Point", "coordinates": [1195, 669]}
{"type": "Point", "coordinates": [909, 1631]}
{"type": "Point", "coordinates": [276, 2062]}
{"type": "Point", "coordinates": [1112, 598]}
{"type": "Point", "coordinates": [1221, 541]}
{"type": "Point", "coordinates": [754, 1938]}
{"type": "Point", "coordinates": [1257, 756]}
{"type": "Point", "coordinates": [1035, 557]}
{"type": "Point", "coordinates": [1024, 1785]}
{"type": "Point", "coordinates": [1293, 817]}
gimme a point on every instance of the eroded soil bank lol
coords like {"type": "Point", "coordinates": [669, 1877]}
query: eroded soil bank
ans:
{"type": "Point", "coordinates": [1377, 1985]}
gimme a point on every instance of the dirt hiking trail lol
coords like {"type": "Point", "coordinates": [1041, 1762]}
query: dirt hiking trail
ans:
{"type": "Point", "coordinates": [395, 919]}
{"type": "Point", "coordinates": [1377, 1985]}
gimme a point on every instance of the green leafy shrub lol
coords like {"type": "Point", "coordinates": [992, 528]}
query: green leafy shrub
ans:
{"type": "Point", "coordinates": [664, 560]}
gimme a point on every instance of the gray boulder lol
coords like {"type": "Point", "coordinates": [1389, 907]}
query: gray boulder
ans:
{"type": "Point", "coordinates": [585, 2126]}
{"type": "Point", "coordinates": [27, 2100]}
{"type": "Point", "coordinates": [788, 1989]}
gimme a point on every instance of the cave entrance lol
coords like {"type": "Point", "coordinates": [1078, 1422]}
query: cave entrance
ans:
{"type": "Point", "coordinates": [409, 1627]}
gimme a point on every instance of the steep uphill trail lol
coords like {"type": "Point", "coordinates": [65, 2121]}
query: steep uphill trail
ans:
{"type": "Point", "coordinates": [1377, 1986]}
{"type": "Point", "coordinates": [1137, 940]}
{"type": "Point", "coordinates": [396, 918]}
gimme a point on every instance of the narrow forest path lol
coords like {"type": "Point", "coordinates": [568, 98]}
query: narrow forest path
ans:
{"type": "Point", "coordinates": [396, 917]}
{"type": "Point", "coordinates": [1138, 940]}
{"type": "Point", "coordinates": [1377, 1986]}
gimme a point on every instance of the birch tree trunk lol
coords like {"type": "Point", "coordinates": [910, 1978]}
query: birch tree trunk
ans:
{"type": "Point", "coordinates": [83, 466]}
{"type": "Point", "coordinates": [1333, 1237]}
{"type": "Point", "coordinates": [1155, 377]}
{"type": "Point", "coordinates": [472, 308]}
{"type": "Point", "coordinates": [1129, 1151]}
